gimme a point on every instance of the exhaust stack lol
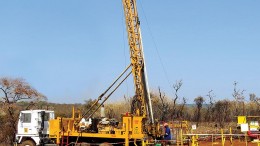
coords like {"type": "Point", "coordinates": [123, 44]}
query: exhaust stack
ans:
{"type": "Point", "coordinates": [102, 111]}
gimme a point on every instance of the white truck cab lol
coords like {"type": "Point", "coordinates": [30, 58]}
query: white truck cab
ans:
{"type": "Point", "coordinates": [33, 127]}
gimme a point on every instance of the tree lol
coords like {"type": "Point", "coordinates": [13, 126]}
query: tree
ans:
{"type": "Point", "coordinates": [181, 108]}
{"type": "Point", "coordinates": [222, 112]}
{"type": "Point", "coordinates": [239, 99]}
{"type": "Point", "coordinates": [161, 105]}
{"type": "Point", "coordinates": [255, 102]}
{"type": "Point", "coordinates": [254, 98]}
{"type": "Point", "coordinates": [199, 102]}
{"type": "Point", "coordinates": [176, 88]}
{"type": "Point", "coordinates": [11, 92]}
{"type": "Point", "coordinates": [210, 110]}
{"type": "Point", "coordinates": [165, 106]}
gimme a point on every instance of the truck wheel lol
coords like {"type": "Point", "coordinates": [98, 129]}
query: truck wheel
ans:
{"type": "Point", "coordinates": [28, 143]}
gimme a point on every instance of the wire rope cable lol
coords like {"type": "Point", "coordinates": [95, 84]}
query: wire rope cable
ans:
{"type": "Point", "coordinates": [155, 45]}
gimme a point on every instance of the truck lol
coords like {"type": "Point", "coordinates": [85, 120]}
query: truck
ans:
{"type": "Point", "coordinates": [33, 127]}
{"type": "Point", "coordinates": [136, 127]}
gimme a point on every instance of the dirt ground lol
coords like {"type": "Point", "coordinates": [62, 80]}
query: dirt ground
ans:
{"type": "Point", "coordinates": [227, 143]}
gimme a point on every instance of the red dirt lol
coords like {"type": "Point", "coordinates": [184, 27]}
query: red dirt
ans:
{"type": "Point", "coordinates": [227, 143]}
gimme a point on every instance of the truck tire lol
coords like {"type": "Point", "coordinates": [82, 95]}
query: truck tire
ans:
{"type": "Point", "coordinates": [28, 143]}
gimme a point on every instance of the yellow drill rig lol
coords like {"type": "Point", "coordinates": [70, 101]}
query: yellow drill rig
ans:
{"type": "Point", "coordinates": [136, 128]}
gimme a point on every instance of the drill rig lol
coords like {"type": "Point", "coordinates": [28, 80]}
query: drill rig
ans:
{"type": "Point", "coordinates": [136, 127]}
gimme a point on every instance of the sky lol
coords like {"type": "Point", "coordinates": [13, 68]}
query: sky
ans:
{"type": "Point", "coordinates": [72, 51]}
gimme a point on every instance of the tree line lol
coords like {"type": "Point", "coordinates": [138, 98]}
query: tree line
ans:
{"type": "Point", "coordinates": [17, 94]}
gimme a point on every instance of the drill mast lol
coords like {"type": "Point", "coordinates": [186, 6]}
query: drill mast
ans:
{"type": "Point", "coordinates": [141, 104]}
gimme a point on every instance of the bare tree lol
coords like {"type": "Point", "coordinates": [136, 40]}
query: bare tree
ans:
{"type": "Point", "coordinates": [176, 88]}
{"type": "Point", "coordinates": [182, 105]}
{"type": "Point", "coordinates": [239, 99]}
{"type": "Point", "coordinates": [165, 105]}
{"type": "Point", "coordinates": [210, 110]}
{"type": "Point", "coordinates": [254, 98]}
{"type": "Point", "coordinates": [11, 92]}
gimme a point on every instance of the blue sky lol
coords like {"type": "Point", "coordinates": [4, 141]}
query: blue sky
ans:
{"type": "Point", "coordinates": [72, 50]}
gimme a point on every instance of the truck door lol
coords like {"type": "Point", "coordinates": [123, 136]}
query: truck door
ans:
{"type": "Point", "coordinates": [46, 123]}
{"type": "Point", "coordinates": [25, 125]}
